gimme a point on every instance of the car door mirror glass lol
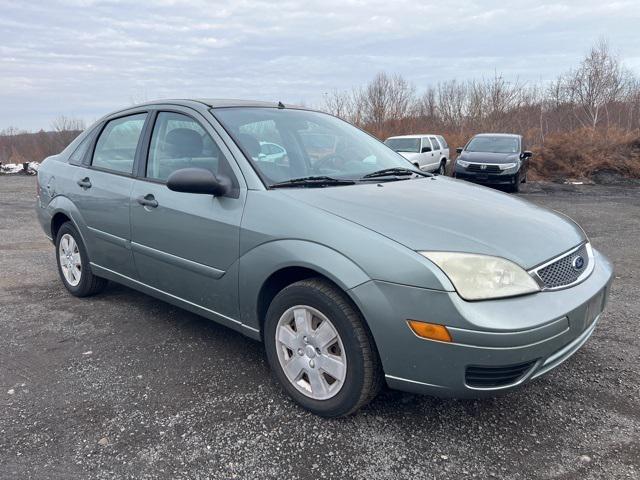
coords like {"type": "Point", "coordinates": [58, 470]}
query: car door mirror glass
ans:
{"type": "Point", "coordinates": [198, 180]}
{"type": "Point", "coordinates": [527, 154]}
{"type": "Point", "coordinates": [425, 149]}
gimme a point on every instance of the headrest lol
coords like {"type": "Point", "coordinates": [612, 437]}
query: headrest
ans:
{"type": "Point", "coordinates": [183, 142]}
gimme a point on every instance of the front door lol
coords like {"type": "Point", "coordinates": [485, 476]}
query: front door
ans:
{"type": "Point", "coordinates": [187, 244]}
{"type": "Point", "coordinates": [102, 192]}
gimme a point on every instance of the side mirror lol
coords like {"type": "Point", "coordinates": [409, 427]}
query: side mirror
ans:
{"type": "Point", "coordinates": [459, 150]}
{"type": "Point", "coordinates": [425, 149]}
{"type": "Point", "coordinates": [527, 154]}
{"type": "Point", "coordinates": [198, 180]}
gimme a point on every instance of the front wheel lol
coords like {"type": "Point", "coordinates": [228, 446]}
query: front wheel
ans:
{"type": "Point", "coordinates": [319, 349]}
{"type": "Point", "coordinates": [73, 263]}
{"type": "Point", "coordinates": [515, 188]}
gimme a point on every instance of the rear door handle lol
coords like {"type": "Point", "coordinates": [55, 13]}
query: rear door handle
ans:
{"type": "Point", "coordinates": [85, 183]}
{"type": "Point", "coordinates": [148, 201]}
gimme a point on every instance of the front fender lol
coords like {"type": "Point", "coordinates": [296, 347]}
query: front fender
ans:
{"type": "Point", "coordinates": [258, 264]}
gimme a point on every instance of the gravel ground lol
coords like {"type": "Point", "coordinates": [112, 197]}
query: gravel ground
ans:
{"type": "Point", "coordinates": [125, 386]}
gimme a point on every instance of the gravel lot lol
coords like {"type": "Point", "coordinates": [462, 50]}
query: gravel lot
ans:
{"type": "Point", "coordinates": [125, 386]}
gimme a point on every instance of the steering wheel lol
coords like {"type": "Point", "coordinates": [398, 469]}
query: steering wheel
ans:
{"type": "Point", "coordinates": [332, 161]}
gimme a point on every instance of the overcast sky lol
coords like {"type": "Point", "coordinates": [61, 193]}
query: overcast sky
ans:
{"type": "Point", "coordinates": [84, 58]}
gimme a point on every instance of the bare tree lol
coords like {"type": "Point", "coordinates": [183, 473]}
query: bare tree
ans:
{"type": "Point", "coordinates": [599, 80]}
{"type": "Point", "coordinates": [67, 129]}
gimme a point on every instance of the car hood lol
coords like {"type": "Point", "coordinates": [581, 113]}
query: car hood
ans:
{"type": "Point", "coordinates": [443, 214]}
{"type": "Point", "coordinates": [488, 157]}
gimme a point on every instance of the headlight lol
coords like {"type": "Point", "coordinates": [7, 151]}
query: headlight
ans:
{"type": "Point", "coordinates": [462, 163]}
{"type": "Point", "coordinates": [507, 166]}
{"type": "Point", "coordinates": [480, 277]}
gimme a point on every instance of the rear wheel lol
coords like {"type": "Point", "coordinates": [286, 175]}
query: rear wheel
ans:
{"type": "Point", "coordinates": [319, 349]}
{"type": "Point", "coordinates": [442, 169]}
{"type": "Point", "coordinates": [73, 263]}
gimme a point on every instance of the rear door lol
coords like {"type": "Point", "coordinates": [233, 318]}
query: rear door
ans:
{"type": "Point", "coordinates": [187, 244]}
{"type": "Point", "coordinates": [430, 163]}
{"type": "Point", "coordinates": [102, 190]}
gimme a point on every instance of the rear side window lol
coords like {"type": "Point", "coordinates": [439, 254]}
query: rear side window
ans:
{"type": "Point", "coordinates": [81, 150]}
{"type": "Point", "coordinates": [443, 142]}
{"type": "Point", "coordinates": [435, 143]}
{"type": "Point", "coordinates": [178, 141]}
{"type": "Point", "coordinates": [116, 147]}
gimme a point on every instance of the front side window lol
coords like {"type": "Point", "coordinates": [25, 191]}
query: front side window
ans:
{"type": "Point", "coordinates": [426, 144]}
{"type": "Point", "coordinates": [407, 145]}
{"type": "Point", "coordinates": [494, 144]}
{"type": "Point", "coordinates": [313, 143]}
{"type": "Point", "coordinates": [178, 141]}
{"type": "Point", "coordinates": [116, 147]}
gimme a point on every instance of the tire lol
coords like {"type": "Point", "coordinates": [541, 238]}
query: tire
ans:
{"type": "Point", "coordinates": [84, 283]}
{"type": "Point", "coordinates": [442, 169]}
{"type": "Point", "coordinates": [515, 188]}
{"type": "Point", "coordinates": [316, 301]}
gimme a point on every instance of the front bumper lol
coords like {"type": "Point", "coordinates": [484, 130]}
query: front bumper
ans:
{"type": "Point", "coordinates": [487, 178]}
{"type": "Point", "coordinates": [534, 332]}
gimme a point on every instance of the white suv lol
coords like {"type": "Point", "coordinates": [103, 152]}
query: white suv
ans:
{"type": "Point", "coordinates": [428, 152]}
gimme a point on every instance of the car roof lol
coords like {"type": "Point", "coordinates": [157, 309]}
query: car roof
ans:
{"type": "Point", "coordinates": [221, 102]}
{"type": "Point", "coordinates": [417, 135]}
{"type": "Point", "coordinates": [497, 135]}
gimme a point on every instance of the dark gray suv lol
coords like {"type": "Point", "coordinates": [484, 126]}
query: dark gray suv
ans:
{"type": "Point", "coordinates": [494, 159]}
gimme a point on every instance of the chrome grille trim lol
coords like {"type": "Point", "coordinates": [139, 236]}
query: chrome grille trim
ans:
{"type": "Point", "coordinates": [540, 278]}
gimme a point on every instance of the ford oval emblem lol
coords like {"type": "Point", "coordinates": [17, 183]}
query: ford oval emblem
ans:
{"type": "Point", "coordinates": [578, 263]}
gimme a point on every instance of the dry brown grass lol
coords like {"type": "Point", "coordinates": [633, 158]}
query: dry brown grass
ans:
{"type": "Point", "coordinates": [582, 153]}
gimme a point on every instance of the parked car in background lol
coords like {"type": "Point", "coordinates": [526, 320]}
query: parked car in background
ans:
{"type": "Point", "coordinates": [271, 152]}
{"type": "Point", "coordinates": [428, 152]}
{"type": "Point", "coordinates": [468, 294]}
{"type": "Point", "coordinates": [494, 159]}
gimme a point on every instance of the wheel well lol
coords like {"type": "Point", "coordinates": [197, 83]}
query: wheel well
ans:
{"type": "Point", "coordinates": [56, 222]}
{"type": "Point", "coordinates": [276, 282]}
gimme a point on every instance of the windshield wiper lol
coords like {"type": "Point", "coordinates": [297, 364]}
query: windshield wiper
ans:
{"type": "Point", "coordinates": [314, 181]}
{"type": "Point", "coordinates": [395, 171]}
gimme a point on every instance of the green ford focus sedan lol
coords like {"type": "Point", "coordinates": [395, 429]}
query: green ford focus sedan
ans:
{"type": "Point", "coordinates": [355, 268]}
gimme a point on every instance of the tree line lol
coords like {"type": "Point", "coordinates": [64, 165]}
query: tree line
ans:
{"type": "Point", "coordinates": [568, 122]}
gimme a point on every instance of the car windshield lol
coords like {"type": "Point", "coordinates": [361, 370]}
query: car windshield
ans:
{"type": "Point", "coordinates": [494, 144]}
{"type": "Point", "coordinates": [309, 144]}
{"type": "Point", "coordinates": [404, 144]}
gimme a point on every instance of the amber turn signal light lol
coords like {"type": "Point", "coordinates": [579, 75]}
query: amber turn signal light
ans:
{"type": "Point", "coordinates": [431, 331]}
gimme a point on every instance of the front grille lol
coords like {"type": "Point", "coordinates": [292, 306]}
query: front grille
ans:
{"type": "Point", "coordinates": [492, 377]}
{"type": "Point", "coordinates": [563, 271]}
{"type": "Point", "coordinates": [476, 167]}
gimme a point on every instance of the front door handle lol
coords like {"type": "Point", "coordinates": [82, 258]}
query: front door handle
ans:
{"type": "Point", "coordinates": [148, 201]}
{"type": "Point", "coordinates": [85, 183]}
